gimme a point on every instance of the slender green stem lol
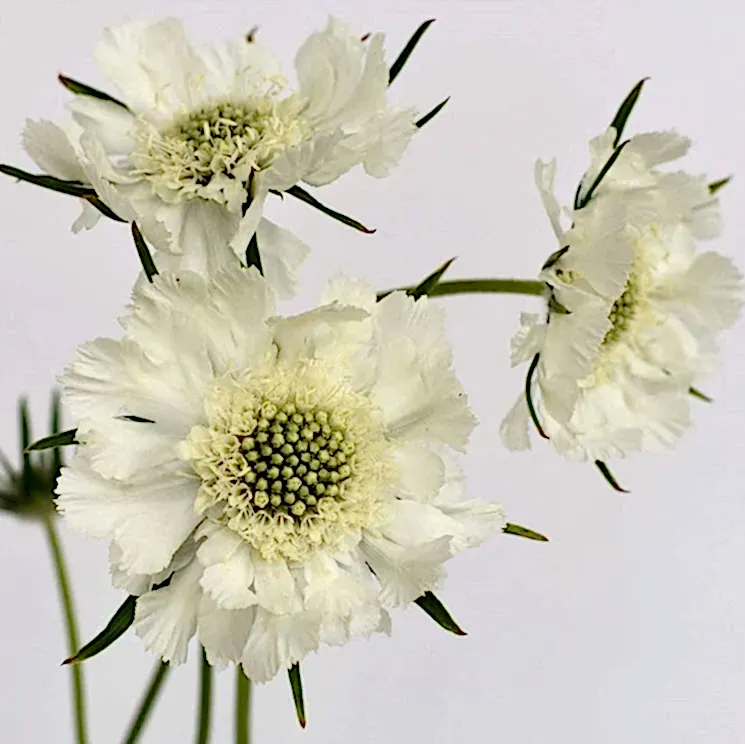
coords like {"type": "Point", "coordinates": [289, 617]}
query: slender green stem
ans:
{"type": "Point", "coordinates": [480, 286]}
{"type": "Point", "coordinates": [502, 286]}
{"type": "Point", "coordinates": [242, 708]}
{"type": "Point", "coordinates": [148, 701]}
{"type": "Point", "coordinates": [205, 701]}
{"type": "Point", "coordinates": [71, 624]}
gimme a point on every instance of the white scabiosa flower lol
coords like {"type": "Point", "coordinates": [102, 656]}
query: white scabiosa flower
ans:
{"type": "Point", "coordinates": [633, 308]}
{"type": "Point", "coordinates": [293, 478]}
{"type": "Point", "coordinates": [202, 135]}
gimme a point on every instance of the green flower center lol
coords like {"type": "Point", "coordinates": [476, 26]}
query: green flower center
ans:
{"type": "Point", "coordinates": [622, 312]}
{"type": "Point", "coordinates": [295, 461]}
{"type": "Point", "coordinates": [290, 459]}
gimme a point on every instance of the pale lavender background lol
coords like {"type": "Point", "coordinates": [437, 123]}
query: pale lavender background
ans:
{"type": "Point", "coordinates": [628, 626]}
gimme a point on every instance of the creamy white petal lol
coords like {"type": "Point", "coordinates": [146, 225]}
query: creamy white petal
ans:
{"type": "Point", "coordinates": [166, 619]}
{"type": "Point", "coordinates": [229, 570]}
{"type": "Point", "coordinates": [152, 63]}
{"type": "Point", "coordinates": [282, 254]}
{"type": "Point", "coordinates": [515, 426]}
{"type": "Point", "coordinates": [405, 573]}
{"type": "Point", "coordinates": [148, 520]}
{"type": "Point", "coordinates": [343, 79]}
{"type": "Point", "coordinates": [223, 633]}
{"type": "Point", "coordinates": [277, 642]}
{"type": "Point", "coordinates": [275, 587]}
{"type": "Point", "coordinates": [545, 174]}
{"type": "Point", "coordinates": [108, 122]}
{"type": "Point", "coordinates": [49, 147]}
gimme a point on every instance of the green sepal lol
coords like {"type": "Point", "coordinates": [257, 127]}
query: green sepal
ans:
{"type": "Point", "coordinates": [117, 626]}
{"type": "Point", "coordinates": [403, 57]}
{"type": "Point", "coordinates": [143, 252]}
{"type": "Point", "coordinates": [304, 196]}
{"type": "Point", "coordinates": [296, 685]}
{"type": "Point", "coordinates": [437, 611]}
{"type": "Point", "coordinates": [603, 173]}
{"type": "Point", "coordinates": [94, 201]}
{"type": "Point", "coordinates": [696, 393]}
{"type": "Point", "coordinates": [529, 396]}
{"type": "Point", "coordinates": [714, 186]}
{"type": "Point", "coordinates": [81, 89]}
{"type": "Point", "coordinates": [431, 114]}
{"type": "Point", "coordinates": [253, 257]}
{"type": "Point", "coordinates": [625, 109]}
{"type": "Point", "coordinates": [516, 529]}
{"type": "Point", "coordinates": [554, 257]}
{"type": "Point", "coordinates": [134, 419]}
{"type": "Point", "coordinates": [54, 423]}
{"type": "Point", "coordinates": [605, 470]}
{"type": "Point", "coordinates": [60, 439]}
{"type": "Point", "coordinates": [72, 188]}
{"type": "Point", "coordinates": [426, 286]}
{"type": "Point", "coordinates": [27, 473]}
{"type": "Point", "coordinates": [556, 307]}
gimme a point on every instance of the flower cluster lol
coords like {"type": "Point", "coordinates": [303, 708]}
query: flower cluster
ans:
{"type": "Point", "coordinates": [271, 483]}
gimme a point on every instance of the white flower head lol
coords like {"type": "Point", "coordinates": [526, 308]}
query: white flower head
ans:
{"type": "Point", "coordinates": [633, 308]}
{"type": "Point", "coordinates": [202, 135]}
{"type": "Point", "coordinates": [293, 477]}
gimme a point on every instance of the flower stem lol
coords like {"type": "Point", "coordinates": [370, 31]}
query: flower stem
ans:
{"type": "Point", "coordinates": [501, 286]}
{"type": "Point", "coordinates": [480, 286]}
{"type": "Point", "coordinates": [71, 623]}
{"type": "Point", "coordinates": [242, 708]}
{"type": "Point", "coordinates": [148, 700]}
{"type": "Point", "coordinates": [205, 700]}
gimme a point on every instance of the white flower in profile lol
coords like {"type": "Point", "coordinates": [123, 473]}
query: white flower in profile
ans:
{"type": "Point", "coordinates": [633, 308]}
{"type": "Point", "coordinates": [202, 135]}
{"type": "Point", "coordinates": [294, 477]}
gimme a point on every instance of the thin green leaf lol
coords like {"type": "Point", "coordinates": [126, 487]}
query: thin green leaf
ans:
{"type": "Point", "coordinates": [134, 419]}
{"type": "Point", "coordinates": [554, 257]}
{"type": "Point", "coordinates": [529, 395]}
{"type": "Point", "coordinates": [304, 196]}
{"type": "Point", "coordinates": [603, 173]}
{"type": "Point", "coordinates": [60, 439]}
{"type": "Point", "coordinates": [431, 114]}
{"type": "Point", "coordinates": [143, 252]}
{"type": "Point", "coordinates": [253, 257]}
{"type": "Point", "coordinates": [27, 470]}
{"type": "Point", "coordinates": [625, 109]}
{"type": "Point", "coordinates": [603, 468]}
{"type": "Point", "coordinates": [54, 423]}
{"type": "Point", "coordinates": [696, 393]}
{"type": "Point", "coordinates": [437, 611]}
{"type": "Point", "coordinates": [73, 188]}
{"type": "Point", "coordinates": [714, 186]}
{"type": "Point", "coordinates": [117, 626]}
{"type": "Point", "coordinates": [296, 684]}
{"type": "Point", "coordinates": [94, 201]}
{"type": "Point", "coordinates": [516, 529]}
{"type": "Point", "coordinates": [426, 286]}
{"type": "Point", "coordinates": [81, 89]}
{"type": "Point", "coordinates": [403, 57]}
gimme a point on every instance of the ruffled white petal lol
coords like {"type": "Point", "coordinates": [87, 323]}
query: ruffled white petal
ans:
{"type": "Point", "coordinates": [50, 148]}
{"type": "Point", "coordinates": [148, 520]}
{"type": "Point", "coordinates": [152, 63]}
{"type": "Point", "coordinates": [166, 619]}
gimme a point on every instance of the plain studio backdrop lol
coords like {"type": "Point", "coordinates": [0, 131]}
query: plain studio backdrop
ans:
{"type": "Point", "coordinates": [629, 625]}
